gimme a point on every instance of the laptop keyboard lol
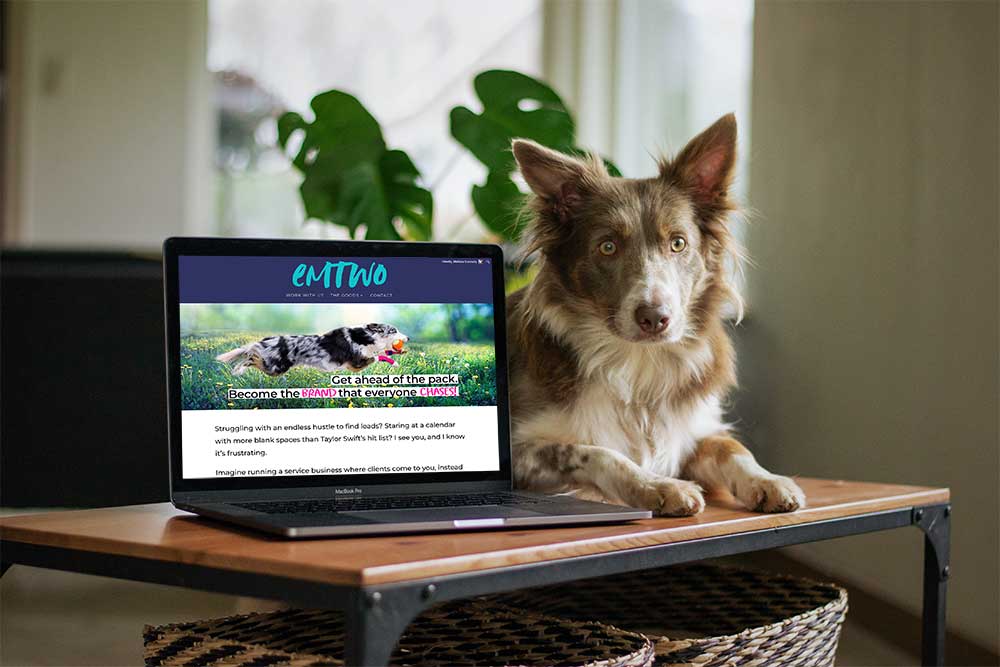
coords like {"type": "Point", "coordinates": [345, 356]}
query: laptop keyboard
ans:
{"type": "Point", "coordinates": [386, 503]}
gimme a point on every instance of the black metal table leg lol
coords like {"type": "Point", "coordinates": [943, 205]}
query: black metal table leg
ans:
{"type": "Point", "coordinates": [935, 522]}
{"type": "Point", "coordinates": [374, 623]}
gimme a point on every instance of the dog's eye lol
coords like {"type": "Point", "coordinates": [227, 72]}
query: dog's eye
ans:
{"type": "Point", "coordinates": [608, 248]}
{"type": "Point", "coordinates": [678, 243]}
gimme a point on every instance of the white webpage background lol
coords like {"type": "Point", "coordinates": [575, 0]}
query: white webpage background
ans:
{"type": "Point", "coordinates": [477, 451]}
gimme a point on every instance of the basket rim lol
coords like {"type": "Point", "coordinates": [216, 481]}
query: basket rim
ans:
{"type": "Point", "coordinates": [798, 619]}
{"type": "Point", "coordinates": [644, 648]}
{"type": "Point", "coordinates": [840, 601]}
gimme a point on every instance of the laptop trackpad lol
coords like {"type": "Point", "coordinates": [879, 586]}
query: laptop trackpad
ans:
{"type": "Point", "coordinates": [443, 514]}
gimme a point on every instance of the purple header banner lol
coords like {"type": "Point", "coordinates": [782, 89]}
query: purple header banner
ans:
{"type": "Point", "coordinates": [208, 279]}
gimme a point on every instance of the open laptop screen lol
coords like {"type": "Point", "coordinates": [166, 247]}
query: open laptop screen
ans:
{"type": "Point", "coordinates": [348, 366]}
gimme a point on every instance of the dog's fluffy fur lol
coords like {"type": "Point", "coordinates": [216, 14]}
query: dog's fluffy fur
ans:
{"type": "Point", "coordinates": [608, 400]}
{"type": "Point", "coordinates": [346, 348]}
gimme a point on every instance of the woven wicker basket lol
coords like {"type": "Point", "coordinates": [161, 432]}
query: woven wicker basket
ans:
{"type": "Point", "coordinates": [462, 633]}
{"type": "Point", "coordinates": [707, 616]}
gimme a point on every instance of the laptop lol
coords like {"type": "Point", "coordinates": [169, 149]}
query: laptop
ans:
{"type": "Point", "coordinates": [327, 388]}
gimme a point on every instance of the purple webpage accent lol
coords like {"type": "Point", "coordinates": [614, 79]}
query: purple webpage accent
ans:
{"type": "Point", "coordinates": [224, 279]}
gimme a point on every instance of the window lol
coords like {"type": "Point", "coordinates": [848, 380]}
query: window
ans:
{"type": "Point", "coordinates": [682, 65]}
{"type": "Point", "coordinates": [408, 63]}
{"type": "Point", "coordinates": [642, 76]}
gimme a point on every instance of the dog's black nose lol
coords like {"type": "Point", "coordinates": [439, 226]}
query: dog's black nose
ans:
{"type": "Point", "coordinates": [652, 318]}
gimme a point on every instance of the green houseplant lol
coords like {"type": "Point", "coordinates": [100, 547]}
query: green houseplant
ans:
{"type": "Point", "coordinates": [352, 179]}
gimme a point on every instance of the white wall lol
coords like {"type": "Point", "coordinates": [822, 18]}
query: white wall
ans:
{"type": "Point", "coordinates": [111, 112]}
{"type": "Point", "coordinates": [871, 350]}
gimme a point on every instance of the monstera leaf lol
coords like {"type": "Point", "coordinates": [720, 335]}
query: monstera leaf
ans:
{"type": "Point", "coordinates": [350, 178]}
{"type": "Point", "coordinates": [514, 106]}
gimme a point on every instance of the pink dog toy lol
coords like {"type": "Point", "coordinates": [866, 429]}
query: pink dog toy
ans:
{"type": "Point", "coordinates": [388, 360]}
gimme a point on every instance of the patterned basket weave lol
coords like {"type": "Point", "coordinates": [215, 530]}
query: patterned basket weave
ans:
{"type": "Point", "coordinates": [459, 634]}
{"type": "Point", "coordinates": [706, 615]}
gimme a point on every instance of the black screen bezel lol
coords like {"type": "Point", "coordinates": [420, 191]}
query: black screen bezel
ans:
{"type": "Point", "coordinates": [178, 246]}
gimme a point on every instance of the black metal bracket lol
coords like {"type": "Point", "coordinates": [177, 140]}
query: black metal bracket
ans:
{"type": "Point", "coordinates": [377, 619]}
{"type": "Point", "coordinates": [935, 522]}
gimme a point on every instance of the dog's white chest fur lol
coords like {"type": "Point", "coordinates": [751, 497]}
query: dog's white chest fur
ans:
{"type": "Point", "coordinates": [626, 407]}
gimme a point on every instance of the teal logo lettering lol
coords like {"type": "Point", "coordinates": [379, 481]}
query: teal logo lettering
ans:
{"type": "Point", "coordinates": [305, 275]}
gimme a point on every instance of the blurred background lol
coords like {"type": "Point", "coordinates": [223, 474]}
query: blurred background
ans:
{"type": "Point", "coordinates": [869, 163]}
{"type": "Point", "coordinates": [422, 322]}
{"type": "Point", "coordinates": [152, 119]}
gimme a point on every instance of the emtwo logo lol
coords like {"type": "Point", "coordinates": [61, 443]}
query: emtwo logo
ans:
{"type": "Point", "coordinates": [305, 275]}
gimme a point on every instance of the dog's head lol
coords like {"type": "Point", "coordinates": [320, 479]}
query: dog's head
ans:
{"type": "Point", "coordinates": [643, 258]}
{"type": "Point", "coordinates": [385, 335]}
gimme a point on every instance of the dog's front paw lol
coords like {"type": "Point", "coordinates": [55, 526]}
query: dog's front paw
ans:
{"type": "Point", "coordinates": [671, 497]}
{"type": "Point", "coordinates": [773, 494]}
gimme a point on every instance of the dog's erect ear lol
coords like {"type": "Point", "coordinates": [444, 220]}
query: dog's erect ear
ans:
{"type": "Point", "coordinates": [705, 166]}
{"type": "Point", "coordinates": [550, 174]}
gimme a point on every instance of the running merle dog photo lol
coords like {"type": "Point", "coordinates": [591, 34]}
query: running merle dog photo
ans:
{"type": "Point", "coordinates": [346, 348]}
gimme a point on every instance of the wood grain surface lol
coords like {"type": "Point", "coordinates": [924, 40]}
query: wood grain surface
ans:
{"type": "Point", "coordinates": [161, 532]}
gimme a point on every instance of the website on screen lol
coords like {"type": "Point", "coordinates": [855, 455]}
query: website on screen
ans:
{"type": "Point", "coordinates": [336, 366]}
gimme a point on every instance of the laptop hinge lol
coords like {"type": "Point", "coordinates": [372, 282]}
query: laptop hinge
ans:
{"type": "Point", "coordinates": [348, 491]}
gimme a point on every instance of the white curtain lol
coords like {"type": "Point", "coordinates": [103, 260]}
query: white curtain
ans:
{"type": "Point", "coordinates": [644, 76]}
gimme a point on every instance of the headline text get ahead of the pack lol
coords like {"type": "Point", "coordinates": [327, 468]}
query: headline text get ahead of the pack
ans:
{"type": "Point", "coordinates": [361, 386]}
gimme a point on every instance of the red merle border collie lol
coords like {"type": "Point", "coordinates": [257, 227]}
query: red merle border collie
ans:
{"type": "Point", "coordinates": [620, 360]}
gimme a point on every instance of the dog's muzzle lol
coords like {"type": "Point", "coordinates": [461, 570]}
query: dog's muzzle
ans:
{"type": "Point", "coordinates": [652, 319]}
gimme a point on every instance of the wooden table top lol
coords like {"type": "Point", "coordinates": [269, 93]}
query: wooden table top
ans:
{"type": "Point", "coordinates": [161, 532]}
